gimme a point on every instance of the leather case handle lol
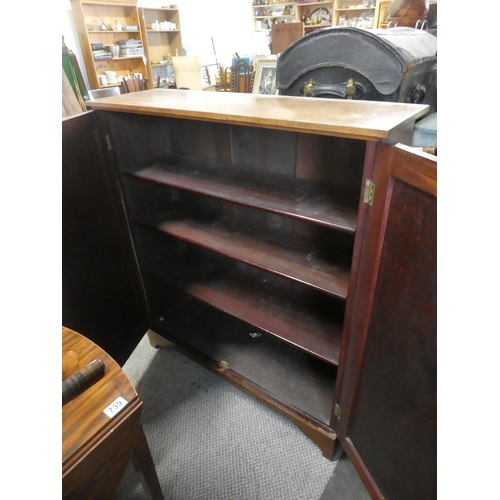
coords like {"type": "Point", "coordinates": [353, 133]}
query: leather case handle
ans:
{"type": "Point", "coordinates": [314, 89]}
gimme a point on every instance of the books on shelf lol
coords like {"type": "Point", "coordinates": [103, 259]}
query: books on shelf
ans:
{"type": "Point", "coordinates": [130, 47]}
{"type": "Point", "coordinates": [101, 54]}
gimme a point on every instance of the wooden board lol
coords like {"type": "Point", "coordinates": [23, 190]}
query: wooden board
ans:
{"type": "Point", "coordinates": [367, 120]}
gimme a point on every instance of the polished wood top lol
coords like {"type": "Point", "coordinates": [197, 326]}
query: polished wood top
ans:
{"type": "Point", "coordinates": [365, 120]}
{"type": "Point", "coordinates": [83, 418]}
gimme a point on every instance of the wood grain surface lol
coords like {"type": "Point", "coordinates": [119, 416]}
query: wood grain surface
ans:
{"type": "Point", "coordinates": [83, 417]}
{"type": "Point", "coordinates": [366, 120]}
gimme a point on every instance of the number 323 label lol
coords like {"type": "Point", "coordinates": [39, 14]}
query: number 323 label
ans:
{"type": "Point", "coordinates": [116, 406]}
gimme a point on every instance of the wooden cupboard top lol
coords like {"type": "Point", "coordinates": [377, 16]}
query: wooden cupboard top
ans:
{"type": "Point", "coordinates": [365, 120]}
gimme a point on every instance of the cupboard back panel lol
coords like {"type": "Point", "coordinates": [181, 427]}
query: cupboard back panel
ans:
{"type": "Point", "coordinates": [138, 139]}
{"type": "Point", "coordinates": [331, 160]}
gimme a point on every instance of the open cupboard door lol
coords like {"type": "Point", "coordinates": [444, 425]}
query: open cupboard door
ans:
{"type": "Point", "coordinates": [102, 293]}
{"type": "Point", "coordinates": [387, 405]}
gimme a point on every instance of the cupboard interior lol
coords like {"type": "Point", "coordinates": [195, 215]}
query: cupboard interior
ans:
{"type": "Point", "coordinates": [244, 237]}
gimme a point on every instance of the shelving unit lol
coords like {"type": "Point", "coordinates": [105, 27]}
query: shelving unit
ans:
{"type": "Point", "coordinates": [381, 16]}
{"type": "Point", "coordinates": [324, 14]}
{"type": "Point", "coordinates": [160, 44]}
{"type": "Point", "coordinates": [360, 14]}
{"type": "Point", "coordinates": [315, 15]}
{"type": "Point", "coordinates": [88, 16]}
{"type": "Point", "coordinates": [245, 228]}
{"type": "Point", "coordinates": [266, 13]}
{"type": "Point", "coordinates": [233, 247]}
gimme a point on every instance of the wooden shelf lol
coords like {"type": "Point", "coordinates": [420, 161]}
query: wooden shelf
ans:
{"type": "Point", "coordinates": [113, 31]}
{"type": "Point", "coordinates": [163, 31]}
{"type": "Point", "coordinates": [289, 375]}
{"type": "Point", "coordinates": [272, 17]}
{"type": "Point", "coordinates": [110, 85]}
{"type": "Point", "coordinates": [304, 4]}
{"type": "Point", "coordinates": [316, 26]}
{"type": "Point", "coordinates": [301, 199]}
{"type": "Point", "coordinates": [309, 320]}
{"type": "Point", "coordinates": [138, 56]}
{"type": "Point", "coordinates": [351, 9]}
{"type": "Point", "coordinates": [284, 254]}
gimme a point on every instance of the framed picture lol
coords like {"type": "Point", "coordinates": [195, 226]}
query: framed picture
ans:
{"type": "Point", "coordinates": [265, 77]}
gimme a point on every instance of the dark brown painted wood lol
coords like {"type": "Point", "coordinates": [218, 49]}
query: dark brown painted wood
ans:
{"type": "Point", "coordinates": [388, 395]}
{"type": "Point", "coordinates": [373, 152]}
{"type": "Point", "coordinates": [102, 295]}
{"type": "Point", "coordinates": [224, 143]}
{"type": "Point", "coordinates": [306, 156]}
{"type": "Point", "coordinates": [309, 320]}
{"type": "Point", "coordinates": [322, 435]}
{"type": "Point", "coordinates": [205, 145]}
{"type": "Point", "coordinates": [291, 376]}
{"type": "Point", "coordinates": [241, 221]}
{"type": "Point", "coordinates": [306, 200]}
{"type": "Point", "coordinates": [278, 252]}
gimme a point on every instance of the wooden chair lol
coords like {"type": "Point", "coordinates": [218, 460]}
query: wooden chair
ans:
{"type": "Point", "coordinates": [224, 84]}
{"type": "Point", "coordinates": [133, 84]}
{"type": "Point", "coordinates": [188, 73]}
{"type": "Point", "coordinates": [209, 74]}
{"type": "Point", "coordinates": [242, 76]}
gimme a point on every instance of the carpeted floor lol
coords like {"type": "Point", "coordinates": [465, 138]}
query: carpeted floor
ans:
{"type": "Point", "coordinates": [211, 441]}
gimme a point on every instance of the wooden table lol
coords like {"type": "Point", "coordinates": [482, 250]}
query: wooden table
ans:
{"type": "Point", "coordinates": [101, 429]}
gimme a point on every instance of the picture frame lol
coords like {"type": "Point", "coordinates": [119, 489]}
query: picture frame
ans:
{"type": "Point", "coordinates": [265, 77]}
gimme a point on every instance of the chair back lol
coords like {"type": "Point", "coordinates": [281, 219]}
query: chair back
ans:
{"type": "Point", "coordinates": [187, 72]}
{"type": "Point", "coordinates": [242, 76]}
{"type": "Point", "coordinates": [224, 84]}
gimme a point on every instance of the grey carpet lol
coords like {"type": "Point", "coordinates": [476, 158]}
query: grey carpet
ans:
{"type": "Point", "coordinates": [345, 483]}
{"type": "Point", "coordinates": [211, 441]}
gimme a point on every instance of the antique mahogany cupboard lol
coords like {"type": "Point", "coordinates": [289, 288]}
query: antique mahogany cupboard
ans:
{"type": "Point", "coordinates": [286, 243]}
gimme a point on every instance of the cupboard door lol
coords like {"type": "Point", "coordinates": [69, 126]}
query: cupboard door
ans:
{"type": "Point", "coordinates": [102, 295]}
{"type": "Point", "coordinates": [387, 421]}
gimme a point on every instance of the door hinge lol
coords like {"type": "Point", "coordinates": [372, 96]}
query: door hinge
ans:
{"type": "Point", "coordinates": [109, 143]}
{"type": "Point", "coordinates": [337, 411]}
{"type": "Point", "coordinates": [369, 190]}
